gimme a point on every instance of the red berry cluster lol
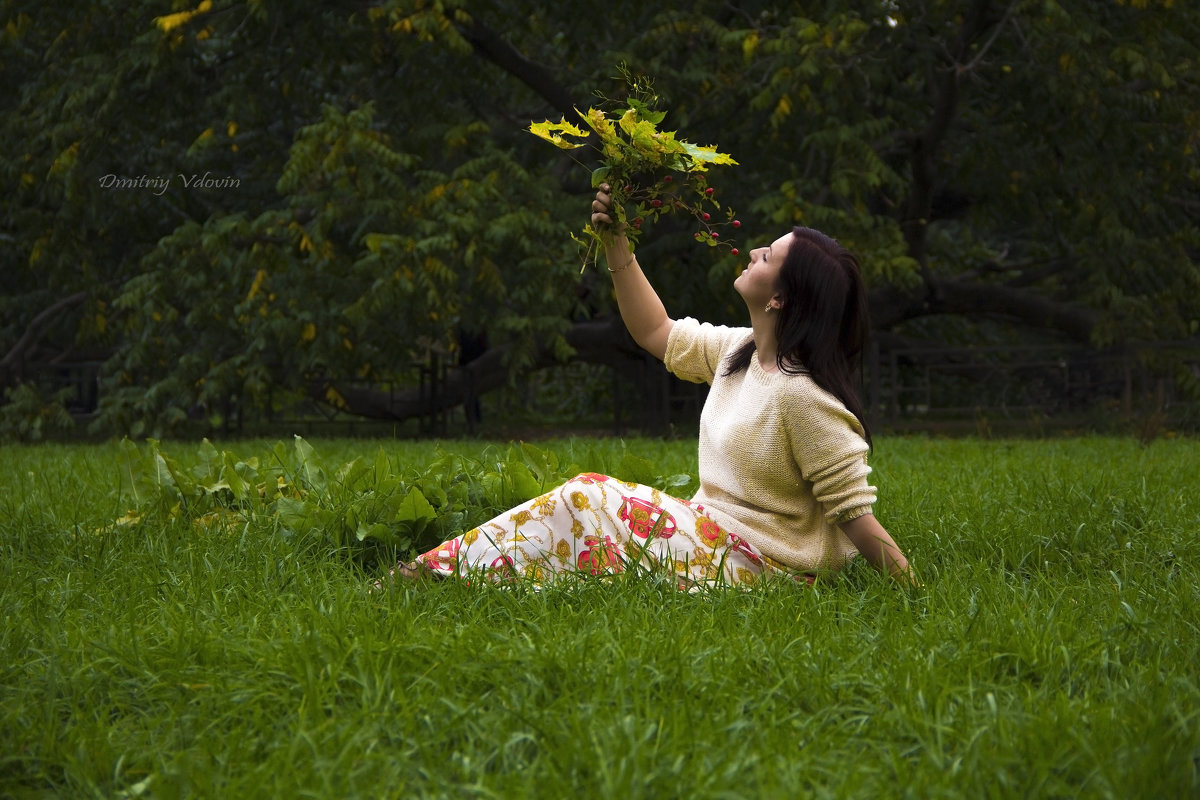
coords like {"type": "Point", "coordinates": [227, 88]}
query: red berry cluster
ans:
{"type": "Point", "coordinates": [691, 195]}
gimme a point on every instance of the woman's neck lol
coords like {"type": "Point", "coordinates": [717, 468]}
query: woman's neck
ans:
{"type": "Point", "coordinates": [766, 346]}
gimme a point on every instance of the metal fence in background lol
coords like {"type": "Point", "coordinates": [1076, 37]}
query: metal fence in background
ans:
{"type": "Point", "coordinates": [915, 383]}
{"type": "Point", "coordinates": [904, 389]}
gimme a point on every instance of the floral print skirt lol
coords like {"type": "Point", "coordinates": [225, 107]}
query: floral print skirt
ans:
{"type": "Point", "coordinates": [596, 525]}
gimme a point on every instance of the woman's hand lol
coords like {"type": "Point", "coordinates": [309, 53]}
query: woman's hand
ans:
{"type": "Point", "coordinates": [602, 212]}
{"type": "Point", "coordinates": [877, 546]}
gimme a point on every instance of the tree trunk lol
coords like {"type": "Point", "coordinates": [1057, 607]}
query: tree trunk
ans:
{"type": "Point", "coordinates": [601, 342]}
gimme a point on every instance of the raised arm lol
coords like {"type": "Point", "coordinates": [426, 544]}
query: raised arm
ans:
{"type": "Point", "coordinates": [641, 309]}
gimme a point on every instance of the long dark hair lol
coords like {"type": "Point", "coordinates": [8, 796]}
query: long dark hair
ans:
{"type": "Point", "coordinates": [821, 327]}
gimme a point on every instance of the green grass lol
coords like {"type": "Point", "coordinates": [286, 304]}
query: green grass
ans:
{"type": "Point", "coordinates": [1052, 651]}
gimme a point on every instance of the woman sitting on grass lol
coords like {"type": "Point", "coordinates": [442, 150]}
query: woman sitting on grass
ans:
{"type": "Point", "coordinates": [783, 442]}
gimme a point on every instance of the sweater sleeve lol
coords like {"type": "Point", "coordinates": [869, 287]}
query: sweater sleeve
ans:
{"type": "Point", "coordinates": [695, 349]}
{"type": "Point", "coordinates": [828, 445]}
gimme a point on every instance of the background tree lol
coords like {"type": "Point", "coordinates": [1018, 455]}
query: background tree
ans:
{"type": "Point", "coordinates": [1021, 162]}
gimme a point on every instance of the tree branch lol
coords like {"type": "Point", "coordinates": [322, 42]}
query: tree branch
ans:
{"type": "Point", "coordinates": [491, 46]}
{"type": "Point", "coordinates": [890, 307]}
{"type": "Point", "coordinates": [37, 328]}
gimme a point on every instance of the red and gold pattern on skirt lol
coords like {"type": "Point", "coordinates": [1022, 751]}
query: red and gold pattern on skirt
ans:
{"type": "Point", "coordinates": [597, 525]}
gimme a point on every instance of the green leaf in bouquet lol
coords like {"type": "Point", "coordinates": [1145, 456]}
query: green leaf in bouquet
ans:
{"type": "Point", "coordinates": [706, 154]}
{"type": "Point", "coordinates": [646, 112]}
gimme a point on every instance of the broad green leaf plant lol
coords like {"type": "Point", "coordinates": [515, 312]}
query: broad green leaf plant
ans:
{"type": "Point", "coordinates": [370, 510]}
{"type": "Point", "coordinates": [652, 172]}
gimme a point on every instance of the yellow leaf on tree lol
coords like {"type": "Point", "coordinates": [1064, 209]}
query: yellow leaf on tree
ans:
{"type": "Point", "coordinates": [259, 277]}
{"type": "Point", "coordinates": [170, 22]}
{"type": "Point", "coordinates": [309, 333]}
{"type": "Point", "coordinates": [65, 160]}
{"type": "Point", "coordinates": [749, 45]}
{"type": "Point", "coordinates": [334, 398]}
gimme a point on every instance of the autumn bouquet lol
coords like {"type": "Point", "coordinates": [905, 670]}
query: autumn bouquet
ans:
{"type": "Point", "coordinates": [652, 172]}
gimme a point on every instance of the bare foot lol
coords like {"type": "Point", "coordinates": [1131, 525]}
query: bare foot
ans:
{"type": "Point", "coordinates": [408, 571]}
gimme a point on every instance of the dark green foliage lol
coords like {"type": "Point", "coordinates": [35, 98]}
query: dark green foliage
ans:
{"type": "Point", "coordinates": [350, 187]}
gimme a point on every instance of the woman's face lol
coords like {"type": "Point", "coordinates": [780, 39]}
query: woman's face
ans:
{"type": "Point", "coordinates": [758, 282]}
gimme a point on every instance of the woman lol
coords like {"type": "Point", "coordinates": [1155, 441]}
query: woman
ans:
{"type": "Point", "coordinates": [782, 452]}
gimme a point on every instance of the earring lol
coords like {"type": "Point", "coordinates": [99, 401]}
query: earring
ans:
{"type": "Point", "coordinates": [769, 308]}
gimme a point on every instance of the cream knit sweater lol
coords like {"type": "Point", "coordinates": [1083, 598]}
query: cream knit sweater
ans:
{"type": "Point", "coordinates": [782, 461]}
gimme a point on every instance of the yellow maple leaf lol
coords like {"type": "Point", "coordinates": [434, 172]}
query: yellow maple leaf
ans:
{"type": "Point", "coordinates": [552, 132]}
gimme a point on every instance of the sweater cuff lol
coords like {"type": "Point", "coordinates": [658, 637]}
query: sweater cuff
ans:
{"type": "Point", "coordinates": [852, 514]}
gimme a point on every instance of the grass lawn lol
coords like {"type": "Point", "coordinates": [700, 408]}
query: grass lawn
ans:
{"type": "Point", "coordinates": [1053, 651]}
